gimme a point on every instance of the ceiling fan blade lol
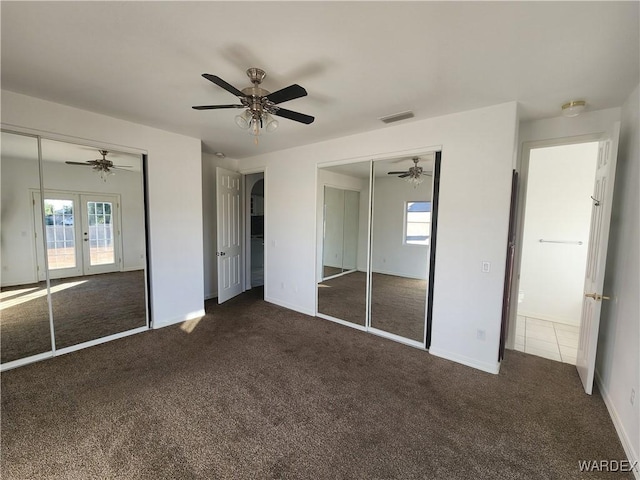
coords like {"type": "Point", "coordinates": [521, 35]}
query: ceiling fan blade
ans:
{"type": "Point", "coordinates": [213, 107]}
{"type": "Point", "coordinates": [397, 173]}
{"type": "Point", "coordinates": [122, 167]}
{"type": "Point", "coordinates": [428, 174]}
{"type": "Point", "coordinates": [404, 175]}
{"type": "Point", "coordinates": [288, 93]}
{"type": "Point", "coordinates": [86, 164]}
{"type": "Point", "coordinates": [221, 83]}
{"type": "Point", "coordinates": [295, 116]}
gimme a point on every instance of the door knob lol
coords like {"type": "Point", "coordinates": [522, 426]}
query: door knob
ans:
{"type": "Point", "coordinates": [596, 296]}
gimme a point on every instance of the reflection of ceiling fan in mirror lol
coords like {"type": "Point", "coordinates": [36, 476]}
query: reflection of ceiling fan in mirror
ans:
{"type": "Point", "coordinates": [414, 175]}
{"type": "Point", "coordinates": [101, 165]}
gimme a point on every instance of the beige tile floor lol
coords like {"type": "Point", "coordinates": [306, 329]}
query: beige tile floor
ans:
{"type": "Point", "coordinates": [543, 338]}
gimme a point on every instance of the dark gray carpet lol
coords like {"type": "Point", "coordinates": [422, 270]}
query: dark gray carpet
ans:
{"type": "Point", "coordinates": [101, 305]}
{"type": "Point", "coordinates": [397, 303]}
{"type": "Point", "coordinates": [258, 391]}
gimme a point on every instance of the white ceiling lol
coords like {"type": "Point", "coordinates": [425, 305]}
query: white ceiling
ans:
{"type": "Point", "coordinates": [142, 61]}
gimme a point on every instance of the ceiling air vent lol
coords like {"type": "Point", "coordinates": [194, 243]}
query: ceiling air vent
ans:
{"type": "Point", "coordinates": [396, 117]}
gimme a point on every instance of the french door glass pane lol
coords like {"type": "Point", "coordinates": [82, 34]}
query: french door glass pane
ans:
{"type": "Point", "coordinates": [100, 233]}
{"type": "Point", "coordinates": [60, 233]}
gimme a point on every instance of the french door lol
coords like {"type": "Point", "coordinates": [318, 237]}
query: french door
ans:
{"type": "Point", "coordinates": [82, 233]}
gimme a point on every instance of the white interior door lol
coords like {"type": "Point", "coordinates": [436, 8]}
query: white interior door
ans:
{"type": "Point", "coordinates": [229, 224]}
{"type": "Point", "coordinates": [100, 233]}
{"type": "Point", "coordinates": [597, 257]}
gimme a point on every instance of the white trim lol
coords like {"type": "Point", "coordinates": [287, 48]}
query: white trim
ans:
{"type": "Point", "coordinates": [249, 171]}
{"type": "Point", "coordinates": [43, 356]}
{"type": "Point", "coordinates": [289, 306]}
{"type": "Point", "coordinates": [362, 328]}
{"type": "Point", "coordinates": [632, 456]}
{"type": "Point", "coordinates": [173, 321]}
{"type": "Point", "coordinates": [397, 338]}
{"type": "Point", "coordinates": [85, 142]}
{"type": "Point", "coordinates": [26, 361]}
{"type": "Point", "coordinates": [98, 341]}
{"type": "Point", "coordinates": [470, 362]}
{"type": "Point", "coordinates": [381, 156]}
{"type": "Point", "coordinates": [523, 179]}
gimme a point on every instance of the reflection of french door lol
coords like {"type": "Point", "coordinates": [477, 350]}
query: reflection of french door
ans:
{"type": "Point", "coordinates": [82, 233]}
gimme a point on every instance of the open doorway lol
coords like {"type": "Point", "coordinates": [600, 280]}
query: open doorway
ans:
{"type": "Point", "coordinates": [555, 241]}
{"type": "Point", "coordinates": [254, 216]}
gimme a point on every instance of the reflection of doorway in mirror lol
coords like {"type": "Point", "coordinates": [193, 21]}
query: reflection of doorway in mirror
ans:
{"type": "Point", "coordinates": [59, 233]}
{"type": "Point", "coordinates": [81, 231]}
{"type": "Point", "coordinates": [254, 271]}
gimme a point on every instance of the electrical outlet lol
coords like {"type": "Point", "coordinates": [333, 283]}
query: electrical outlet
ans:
{"type": "Point", "coordinates": [633, 396]}
{"type": "Point", "coordinates": [486, 267]}
{"type": "Point", "coordinates": [481, 335]}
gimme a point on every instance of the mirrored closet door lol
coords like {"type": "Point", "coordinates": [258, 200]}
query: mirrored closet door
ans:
{"type": "Point", "coordinates": [77, 225]}
{"type": "Point", "coordinates": [400, 231]}
{"type": "Point", "coordinates": [344, 200]}
{"type": "Point", "coordinates": [25, 328]}
{"type": "Point", "coordinates": [388, 290]}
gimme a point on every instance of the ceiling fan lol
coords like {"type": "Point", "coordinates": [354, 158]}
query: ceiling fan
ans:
{"type": "Point", "coordinates": [414, 173]}
{"type": "Point", "coordinates": [259, 103]}
{"type": "Point", "coordinates": [101, 165]}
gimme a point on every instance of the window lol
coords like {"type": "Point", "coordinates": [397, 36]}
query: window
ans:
{"type": "Point", "coordinates": [417, 224]}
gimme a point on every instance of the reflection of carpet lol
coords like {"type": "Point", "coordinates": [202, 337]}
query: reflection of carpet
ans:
{"type": "Point", "coordinates": [344, 297]}
{"type": "Point", "coordinates": [398, 303]}
{"type": "Point", "coordinates": [328, 271]}
{"type": "Point", "coordinates": [256, 391]}
{"type": "Point", "coordinates": [99, 306]}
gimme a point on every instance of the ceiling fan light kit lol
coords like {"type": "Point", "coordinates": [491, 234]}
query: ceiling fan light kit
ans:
{"type": "Point", "coordinates": [103, 167]}
{"type": "Point", "coordinates": [259, 104]}
{"type": "Point", "coordinates": [415, 175]}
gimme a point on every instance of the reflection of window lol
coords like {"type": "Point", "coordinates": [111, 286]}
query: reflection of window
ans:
{"type": "Point", "coordinates": [417, 224]}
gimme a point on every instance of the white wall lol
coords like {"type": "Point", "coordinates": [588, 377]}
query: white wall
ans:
{"type": "Point", "coordinates": [174, 193]}
{"type": "Point", "coordinates": [209, 215]}
{"type": "Point", "coordinates": [558, 208]}
{"type": "Point", "coordinates": [389, 253]}
{"type": "Point", "coordinates": [18, 255]}
{"type": "Point", "coordinates": [477, 160]}
{"type": "Point", "coordinates": [618, 358]}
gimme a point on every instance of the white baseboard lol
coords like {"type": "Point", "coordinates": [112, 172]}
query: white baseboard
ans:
{"type": "Point", "coordinates": [397, 274]}
{"type": "Point", "coordinates": [469, 362]}
{"type": "Point", "coordinates": [632, 456]}
{"type": "Point", "coordinates": [549, 318]}
{"type": "Point", "coordinates": [210, 295]}
{"type": "Point", "coordinates": [173, 321]}
{"type": "Point", "coordinates": [295, 308]}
